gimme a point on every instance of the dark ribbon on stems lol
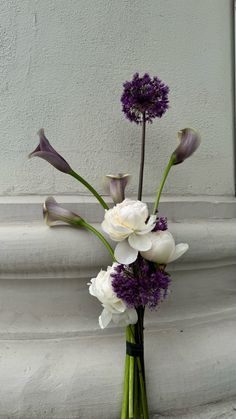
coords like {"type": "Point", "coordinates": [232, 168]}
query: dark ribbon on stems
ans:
{"type": "Point", "coordinates": [134, 349]}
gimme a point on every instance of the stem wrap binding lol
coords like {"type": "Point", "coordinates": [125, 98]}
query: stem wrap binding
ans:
{"type": "Point", "coordinates": [134, 349]}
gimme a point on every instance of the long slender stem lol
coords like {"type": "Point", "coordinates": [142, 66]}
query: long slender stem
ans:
{"type": "Point", "coordinates": [131, 381]}
{"type": "Point", "coordinates": [100, 236]}
{"type": "Point", "coordinates": [126, 389]}
{"type": "Point", "coordinates": [125, 403]}
{"type": "Point", "coordinates": [136, 391]}
{"type": "Point", "coordinates": [141, 170]}
{"type": "Point", "coordinates": [166, 172]}
{"type": "Point", "coordinates": [89, 187]}
{"type": "Point", "coordinates": [143, 391]}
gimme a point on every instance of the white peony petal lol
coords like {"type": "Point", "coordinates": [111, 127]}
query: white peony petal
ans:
{"type": "Point", "coordinates": [116, 232]}
{"type": "Point", "coordinates": [152, 219]}
{"type": "Point", "coordinates": [180, 249]}
{"type": "Point", "coordinates": [116, 306]}
{"type": "Point", "coordinates": [128, 317]}
{"type": "Point", "coordinates": [124, 253]}
{"type": "Point", "coordinates": [92, 288]}
{"type": "Point", "coordinates": [104, 318]}
{"type": "Point", "coordinates": [140, 243]}
{"type": "Point", "coordinates": [132, 314]}
{"type": "Point", "coordinates": [149, 226]}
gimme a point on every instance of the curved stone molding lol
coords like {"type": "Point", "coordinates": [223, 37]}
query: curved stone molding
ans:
{"type": "Point", "coordinates": [56, 363]}
{"type": "Point", "coordinates": [34, 249]}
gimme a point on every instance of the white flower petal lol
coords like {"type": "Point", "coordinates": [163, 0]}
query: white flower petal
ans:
{"type": "Point", "coordinates": [116, 306]}
{"type": "Point", "coordinates": [132, 314]}
{"type": "Point", "coordinates": [152, 219]}
{"type": "Point", "coordinates": [104, 318]}
{"type": "Point", "coordinates": [163, 246]}
{"type": "Point", "coordinates": [92, 288]}
{"type": "Point", "coordinates": [125, 218]}
{"type": "Point", "coordinates": [128, 317]}
{"type": "Point", "coordinates": [149, 226]}
{"type": "Point", "coordinates": [180, 249]}
{"type": "Point", "coordinates": [124, 253]}
{"type": "Point", "coordinates": [140, 243]}
{"type": "Point", "coordinates": [116, 233]}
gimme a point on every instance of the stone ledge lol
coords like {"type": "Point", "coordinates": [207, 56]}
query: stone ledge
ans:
{"type": "Point", "coordinates": [35, 250]}
{"type": "Point", "coordinates": [56, 363]}
{"type": "Point", "coordinates": [29, 208]}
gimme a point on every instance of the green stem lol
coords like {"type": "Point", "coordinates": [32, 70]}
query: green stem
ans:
{"type": "Point", "coordinates": [143, 391]}
{"type": "Point", "coordinates": [124, 410]}
{"type": "Point", "coordinates": [126, 389]}
{"type": "Point", "coordinates": [131, 381]}
{"type": "Point", "coordinates": [100, 236]}
{"type": "Point", "coordinates": [136, 391]}
{"type": "Point", "coordinates": [166, 172]}
{"type": "Point", "coordinates": [89, 187]}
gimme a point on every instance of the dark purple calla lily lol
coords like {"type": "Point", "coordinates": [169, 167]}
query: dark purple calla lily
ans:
{"type": "Point", "coordinates": [47, 152]}
{"type": "Point", "coordinates": [54, 214]}
{"type": "Point", "coordinates": [116, 185]}
{"type": "Point", "coordinates": [189, 142]}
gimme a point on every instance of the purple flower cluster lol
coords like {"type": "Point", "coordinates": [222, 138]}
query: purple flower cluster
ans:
{"type": "Point", "coordinates": [161, 224]}
{"type": "Point", "coordinates": [144, 95]}
{"type": "Point", "coordinates": [140, 284]}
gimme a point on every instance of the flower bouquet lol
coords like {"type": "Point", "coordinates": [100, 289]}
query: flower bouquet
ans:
{"type": "Point", "coordinates": [137, 278]}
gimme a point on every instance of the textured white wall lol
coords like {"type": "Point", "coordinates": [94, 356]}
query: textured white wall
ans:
{"type": "Point", "coordinates": [62, 65]}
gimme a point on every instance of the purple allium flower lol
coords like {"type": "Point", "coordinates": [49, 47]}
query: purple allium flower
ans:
{"type": "Point", "coordinates": [140, 284]}
{"type": "Point", "coordinates": [144, 95]}
{"type": "Point", "coordinates": [161, 224]}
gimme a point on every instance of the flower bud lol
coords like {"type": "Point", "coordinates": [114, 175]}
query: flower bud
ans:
{"type": "Point", "coordinates": [116, 185]}
{"type": "Point", "coordinates": [48, 153]}
{"type": "Point", "coordinates": [54, 214]}
{"type": "Point", "coordinates": [189, 142]}
{"type": "Point", "coordinates": [163, 249]}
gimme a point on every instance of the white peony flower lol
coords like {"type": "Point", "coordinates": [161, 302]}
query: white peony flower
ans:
{"type": "Point", "coordinates": [163, 248]}
{"type": "Point", "coordinates": [126, 223]}
{"type": "Point", "coordinates": [114, 308]}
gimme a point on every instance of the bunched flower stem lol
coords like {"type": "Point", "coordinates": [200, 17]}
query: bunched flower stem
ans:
{"type": "Point", "coordinates": [89, 187]}
{"type": "Point", "coordinates": [141, 170]}
{"type": "Point", "coordinates": [134, 404]}
{"type": "Point", "coordinates": [166, 172]}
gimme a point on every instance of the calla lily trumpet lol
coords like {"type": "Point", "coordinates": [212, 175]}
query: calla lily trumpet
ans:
{"type": "Point", "coordinates": [116, 185]}
{"type": "Point", "coordinates": [48, 153]}
{"type": "Point", "coordinates": [54, 214]}
{"type": "Point", "coordinates": [189, 142]}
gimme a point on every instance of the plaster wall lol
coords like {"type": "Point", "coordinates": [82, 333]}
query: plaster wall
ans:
{"type": "Point", "coordinates": [62, 65]}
